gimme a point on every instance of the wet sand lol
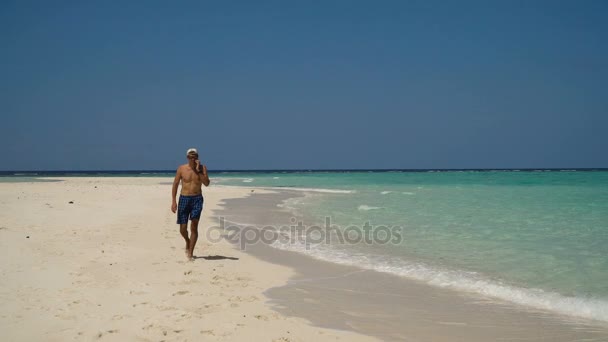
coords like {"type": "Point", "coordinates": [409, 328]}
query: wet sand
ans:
{"type": "Point", "coordinates": [391, 307]}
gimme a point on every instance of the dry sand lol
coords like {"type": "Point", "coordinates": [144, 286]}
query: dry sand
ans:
{"type": "Point", "coordinates": [111, 267]}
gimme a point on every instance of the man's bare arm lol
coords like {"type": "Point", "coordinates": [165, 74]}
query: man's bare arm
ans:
{"type": "Point", "coordinates": [205, 176]}
{"type": "Point", "coordinates": [176, 180]}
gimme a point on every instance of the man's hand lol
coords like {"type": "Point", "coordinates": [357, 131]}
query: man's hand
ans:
{"type": "Point", "coordinates": [174, 207]}
{"type": "Point", "coordinates": [205, 170]}
{"type": "Point", "coordinates": [198, 166]}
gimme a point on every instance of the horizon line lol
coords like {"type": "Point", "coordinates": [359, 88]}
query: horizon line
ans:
{"type": "Point", "coordinates": [4, 172]}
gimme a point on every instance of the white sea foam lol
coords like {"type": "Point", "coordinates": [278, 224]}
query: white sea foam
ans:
{"type": "Point", "coordinates": [588, 308]}
{"type": "Point", "coordinates": [231, 179]}
{"type": "Point", "coordinates": [408, 193]}
{"type": "Point", "coordinates": [275, 177]}
{"type": "Point", "coordinates": [385, 192]}
{"type": "Point", "coordinates": [293, 204]}
{"type": "Point", "coordinates": [367, 207]}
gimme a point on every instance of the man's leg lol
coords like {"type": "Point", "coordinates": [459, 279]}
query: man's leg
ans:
{"type": "Point", "coordinates": [193, 237]}
{"type": "Point", "coordinates": [183, 210]}
{"type": "Point", "coordinates": [183, 229]}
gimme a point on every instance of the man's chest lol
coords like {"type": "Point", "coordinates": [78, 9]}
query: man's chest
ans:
{"type": "Point", "coordinates": [189, 175]}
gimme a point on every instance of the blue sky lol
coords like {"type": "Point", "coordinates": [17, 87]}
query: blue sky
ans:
{"type": "Point", "coordinates": [111, 85]}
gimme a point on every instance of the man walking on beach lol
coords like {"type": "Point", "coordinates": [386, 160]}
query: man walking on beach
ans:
{"type": "Point", "coordinates": [192, 175]}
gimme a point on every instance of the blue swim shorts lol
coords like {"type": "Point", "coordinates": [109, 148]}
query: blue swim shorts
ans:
{"type": "Point", "coordinates": [189, 207]}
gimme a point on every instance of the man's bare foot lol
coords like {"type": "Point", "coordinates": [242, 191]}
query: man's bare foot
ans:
{"type": "Point", "coordinates": [189, 256]}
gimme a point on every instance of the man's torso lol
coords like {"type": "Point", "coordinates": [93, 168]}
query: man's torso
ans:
{"type": "Point", "coordinates": [191, 181]}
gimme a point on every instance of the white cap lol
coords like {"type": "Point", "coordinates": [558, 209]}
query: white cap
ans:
{"type": "Point", "coordinates": [191, 150]}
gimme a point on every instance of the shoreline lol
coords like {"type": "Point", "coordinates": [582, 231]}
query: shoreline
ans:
{"type": "Point", "coordinates": [110, 266]}
{"type": "Point", "coordinates": [346, 297]}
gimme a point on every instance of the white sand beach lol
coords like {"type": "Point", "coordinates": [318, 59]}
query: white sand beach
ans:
{"type": "Point", "coordinates": [111, 267]}
{"type": "Point", "coordinates": [101, 259]}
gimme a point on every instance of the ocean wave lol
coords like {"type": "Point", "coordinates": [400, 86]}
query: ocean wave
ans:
{"type": "Point", "coordinates": [275, 177]}
{"type": "Point", "coordinates": [364, 207]}
{"type": "Point", "coordinates": [472, 282]}
{"type": "Point", "coordinates": [385, 192]}
{"type": "Point", "coordinates": [247, 180]}
{"type": "Point", "coordinates": [329, 191]}
{"type": "Point", "coordinates": [408, 193]}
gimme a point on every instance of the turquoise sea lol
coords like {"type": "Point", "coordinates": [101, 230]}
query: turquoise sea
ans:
{"type": "Point", "coordinates": [536, 238]}
{"type": "Point", "coordinates": [532, 237]}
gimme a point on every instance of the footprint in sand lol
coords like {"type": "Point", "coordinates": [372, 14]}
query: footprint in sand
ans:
{"type": "Point", "coordinates": [137, 293]}
{"type": "Point", "coordinates": [180, 293]}
{"type": "Point", "coordinates": [243, 299]}
{"type": "Point", "coordinates": [166, 308]}
{"type": "Point", "coordinates": [99, 335]}
{"type": "Point", "coordinates": [261, 317]}
{"type": "Point", "coordinates": [187, 272]}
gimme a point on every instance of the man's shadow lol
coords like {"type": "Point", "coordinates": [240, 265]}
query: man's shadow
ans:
{"type": "Point", "coordinates": [216, 257]}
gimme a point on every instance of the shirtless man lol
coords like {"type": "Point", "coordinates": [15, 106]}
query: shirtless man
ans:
{"type": "Point", "coordinates": [192, 176]}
